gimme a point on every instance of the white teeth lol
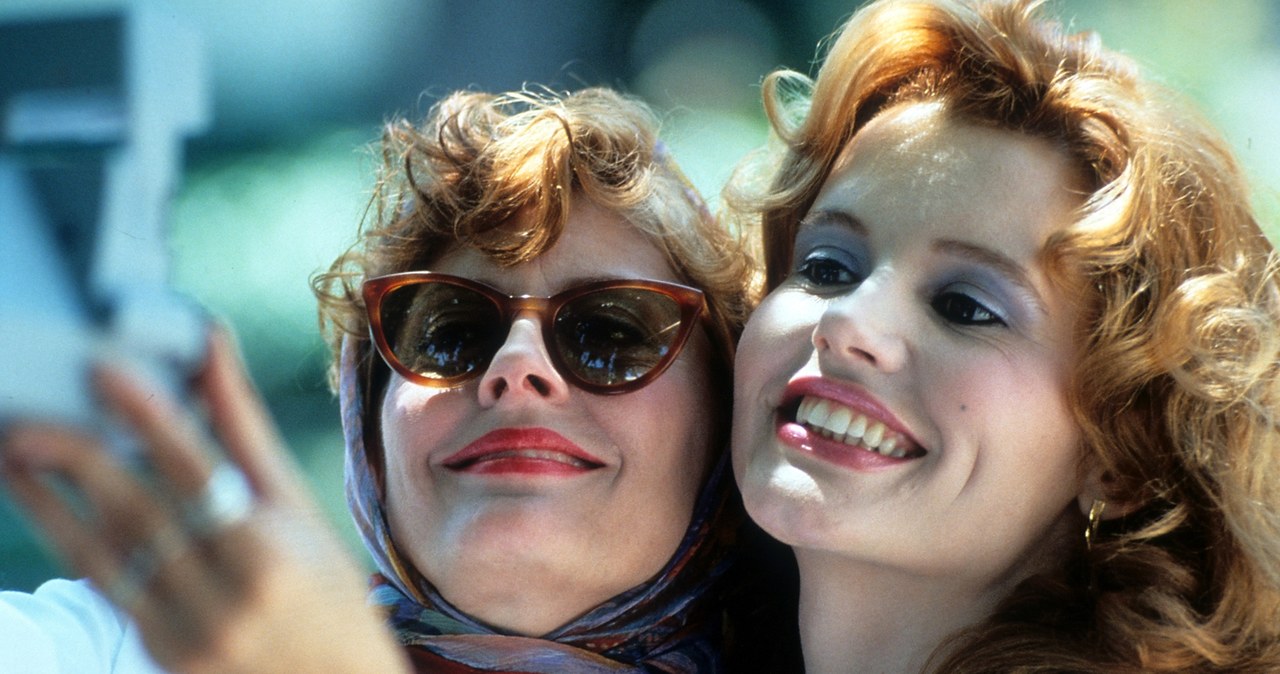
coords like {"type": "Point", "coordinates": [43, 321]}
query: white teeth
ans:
{"type": "Point", "coordinates": [540, 454]}
{"type": "Point", "coordinates": [873, 435]}
{"type": "Point", "coordinates": [818, 413]}
{"type": "Point", "coordinates": [857, 429]}
{"type": "Point", "coordinates": [835, 421]}
{"type": "Point", "coordinates": [839, 420]}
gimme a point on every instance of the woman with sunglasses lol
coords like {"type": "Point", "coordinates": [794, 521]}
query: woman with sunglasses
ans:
{"type": "Point", "coordinates": [533, 339]}
{"type": "Point", "coordinates": [1012, 397]}
{"type": "Point", "coordinates": [535, 427]}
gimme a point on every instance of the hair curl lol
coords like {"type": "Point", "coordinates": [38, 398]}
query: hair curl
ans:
{"type": "Point", "coordinates": [1175, 386]}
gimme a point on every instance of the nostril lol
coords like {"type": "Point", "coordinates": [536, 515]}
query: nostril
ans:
{"type": "Point", "coordinates": [540, 385]}
{"type": "Point", "coordinates": [861, 353]}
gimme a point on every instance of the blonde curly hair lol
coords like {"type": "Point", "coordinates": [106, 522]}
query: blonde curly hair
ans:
{"type": "Point", "coordinates": [460, 178]}
{"type": "Point", "coordinates": [1175, 385]}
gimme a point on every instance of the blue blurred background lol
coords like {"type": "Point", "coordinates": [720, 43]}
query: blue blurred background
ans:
{"type": "Point", "coordinates": [274, 189]}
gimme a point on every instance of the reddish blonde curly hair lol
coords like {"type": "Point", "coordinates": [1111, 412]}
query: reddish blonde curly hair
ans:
{"type": "Point", "coordinates": [1175, 387]}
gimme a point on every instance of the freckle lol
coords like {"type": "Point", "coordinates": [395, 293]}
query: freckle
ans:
{"type": "Point", "coordinates": [964, 407]}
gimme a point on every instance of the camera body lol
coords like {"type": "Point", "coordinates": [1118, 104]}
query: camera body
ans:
{"type": "Point", "coordinates": [94, 110]}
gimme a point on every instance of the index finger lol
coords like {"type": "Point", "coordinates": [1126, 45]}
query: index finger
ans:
{"type": "Point", "coordinates": [241, 421]}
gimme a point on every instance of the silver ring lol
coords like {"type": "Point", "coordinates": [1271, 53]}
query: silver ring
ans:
{"type": "Point", "coordinates": [225, 501]}
{"type": "Point", "coordinates": [142, 564]}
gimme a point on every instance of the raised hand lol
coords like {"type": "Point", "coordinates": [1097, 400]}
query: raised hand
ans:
{"type": "Point", "coordinates": [217, 551]}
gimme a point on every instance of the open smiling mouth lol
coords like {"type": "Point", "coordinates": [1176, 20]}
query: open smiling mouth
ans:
{"type": "Point", "coordinates": [845, 425]}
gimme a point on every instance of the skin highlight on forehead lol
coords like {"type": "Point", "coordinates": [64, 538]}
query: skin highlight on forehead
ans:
{"type": "Point", "coordinates": [911, 139]}
{"type": "Point", "coordinates": [906, 135]}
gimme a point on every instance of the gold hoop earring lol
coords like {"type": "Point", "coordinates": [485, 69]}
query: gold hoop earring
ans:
{"type": "Point", "coordinates": [1095, 518]}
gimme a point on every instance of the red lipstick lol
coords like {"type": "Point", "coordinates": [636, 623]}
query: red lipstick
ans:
{"type": "Point", "coordinates": [538, 451]}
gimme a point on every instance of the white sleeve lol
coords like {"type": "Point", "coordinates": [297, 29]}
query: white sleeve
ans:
{"type": "Point", "coordinates": [66, 627]}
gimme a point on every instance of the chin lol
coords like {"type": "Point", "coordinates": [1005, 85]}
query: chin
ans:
{"type": "Point", "coordinates": [786, 502]}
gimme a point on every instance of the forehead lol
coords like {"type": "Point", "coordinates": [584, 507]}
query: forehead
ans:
{"type": "Point", "coordinates": [596, 243]}
{"type": "Point", "coordinates": [916, 164]}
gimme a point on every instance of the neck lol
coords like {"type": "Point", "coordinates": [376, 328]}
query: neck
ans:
{"type": "Point", "coordinates": [863, 617]}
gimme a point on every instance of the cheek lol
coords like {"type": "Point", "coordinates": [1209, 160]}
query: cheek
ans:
{"type": "Point", "coordinates": [1018, 414]}
{"type": "Point", "coordinates": [414, 420]}
{"type": "Point", "coordinates": [689, 411]}
{"type": "Point", "coordinates": [666, 436]}
{"type": "Point", "coordinates": [776, 344]}
{"type": "Point", "coordinates": [776, 341]}
{"type": "Point", "coordinates": [1010, 461]}
{"type": "Point", "coordinates": [396, 420]}
{"type": "Point", "coordinates": [399, 411]}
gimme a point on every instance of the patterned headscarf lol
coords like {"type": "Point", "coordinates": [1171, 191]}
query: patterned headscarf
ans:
{"type": "Point", "coordinates": [670, 623]}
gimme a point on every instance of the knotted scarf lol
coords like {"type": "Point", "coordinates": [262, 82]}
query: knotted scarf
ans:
{"type": "Point", "coordinates": [670, 623]}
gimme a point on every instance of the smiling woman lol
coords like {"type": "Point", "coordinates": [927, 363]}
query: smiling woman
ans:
{"type": "Point", "coordinates": [892, 374]}
{"type": "Point", "coordinates": [534, 445]}
{"type": "Point", "coordinates": [1012, 395]}
{"type": "Point", "coordinates": [532, 341]}
{"type": "Point", "coordinates": [523, 500]}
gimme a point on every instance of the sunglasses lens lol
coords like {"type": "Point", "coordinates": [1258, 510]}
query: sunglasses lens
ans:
{"type": "Point", "coordinates": [614, 336]}
{"type": "Point", "coordinates": [441, 330]}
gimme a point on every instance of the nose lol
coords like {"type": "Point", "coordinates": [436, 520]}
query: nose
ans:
{"type": "Point", "coordinates": [521, 369]}
{"type": "Point", "coordinates": [864, 328]}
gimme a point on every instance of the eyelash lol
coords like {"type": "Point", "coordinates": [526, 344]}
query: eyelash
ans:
{"type": "Point", "coordinates": [961, 309]}
{"type": "Point", "coordinates": [824, 272]}
{"type": "Point", "coordinates": [818, 272]}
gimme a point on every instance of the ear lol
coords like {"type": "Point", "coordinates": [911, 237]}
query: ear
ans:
{"type": "Point", "coordinates": [1100, 485]}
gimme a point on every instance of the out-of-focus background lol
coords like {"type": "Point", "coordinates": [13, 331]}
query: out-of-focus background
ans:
{"type": "Point", "coordinates": [274, 189]}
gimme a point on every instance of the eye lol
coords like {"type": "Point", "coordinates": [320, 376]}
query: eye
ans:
{"type": "Point", "coordinates": [614, 337]}
{"type": "Point", "coordinates": [603, 330]}
{"type": "Point", "coordinates": [452, 342]}
{"type": "Point", "coordinates": [961, 309]}
{"type": "Point", "coordinates": [825, 269]}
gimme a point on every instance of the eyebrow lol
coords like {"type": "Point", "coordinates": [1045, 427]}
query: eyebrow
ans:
{"type": "Point", "coordinates": [824, 217]}
{"type": "Point", "coordinates": [1001, 263]}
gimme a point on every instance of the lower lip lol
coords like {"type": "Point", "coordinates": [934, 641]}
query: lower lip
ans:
{"type": "Point", "coordinates": [520, 465]}
{"type": "Point", "coordinates": [847, 456]}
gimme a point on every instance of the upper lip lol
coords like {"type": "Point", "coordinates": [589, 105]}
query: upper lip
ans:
{"type": "Point", "coordinates": [509, 439]}
{"type": "Point", "coordinates": [849, 395]}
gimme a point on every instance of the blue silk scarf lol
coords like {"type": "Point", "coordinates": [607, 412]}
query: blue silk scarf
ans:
{"type": "Point", "coordinates": [669, 624]}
